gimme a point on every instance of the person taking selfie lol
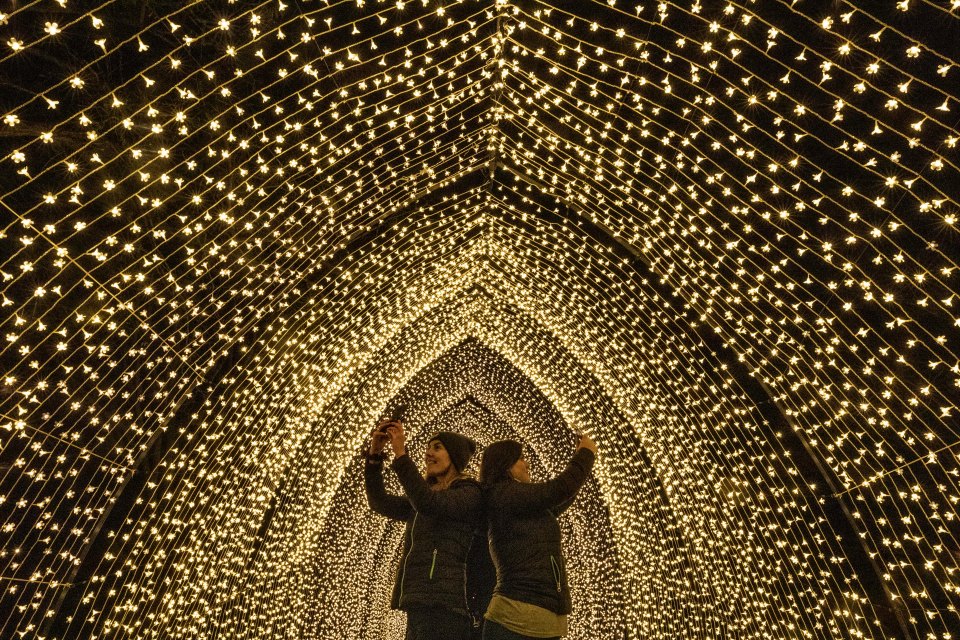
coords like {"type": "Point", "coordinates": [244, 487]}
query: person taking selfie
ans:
{"type": "Point", "coordinates": [442, 509]}
{"type": "Point", "coordinates": [531, 598]}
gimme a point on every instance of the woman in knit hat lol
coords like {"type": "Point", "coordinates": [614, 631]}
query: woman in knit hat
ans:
{"type": "Point", "coordinates": [443, 508]}
{"type": "Point", "coordinates": [532, 598]}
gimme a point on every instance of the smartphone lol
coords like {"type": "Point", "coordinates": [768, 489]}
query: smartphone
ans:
{"type": "Point", "coordinates": [398, 415]}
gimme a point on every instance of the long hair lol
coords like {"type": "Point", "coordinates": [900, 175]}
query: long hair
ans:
{"type": "Point", "coordinates": [497, 459]}
{"type": "Point", "coordinates": [436, 485]}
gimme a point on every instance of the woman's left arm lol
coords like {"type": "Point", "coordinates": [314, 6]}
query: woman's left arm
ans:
{"type": "Point", "coordinates": [563, 506]}
{"type": "Point", "coordinates": [524, 497]}
{"type": "Point", "coordinates": [462, 501]}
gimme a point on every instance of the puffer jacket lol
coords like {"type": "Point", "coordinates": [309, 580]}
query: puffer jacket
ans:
{"type": "Point", "coordinates": [440, 528]}
{"type": "Point", "coordinates": [525, 536]}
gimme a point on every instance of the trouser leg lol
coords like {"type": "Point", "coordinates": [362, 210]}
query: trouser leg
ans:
{"type": "Point", "coordinates": [437, 624]}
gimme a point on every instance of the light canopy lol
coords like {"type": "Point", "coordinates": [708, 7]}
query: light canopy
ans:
{"type": "Point", "coordinates": [720, 237]}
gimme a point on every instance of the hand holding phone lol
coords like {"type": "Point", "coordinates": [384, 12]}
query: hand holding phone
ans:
{"type": "Point", "coordinates": [398, 439]}
{"type": "Point", "coordinates": [586, 442]}
{"type": "Point", "coordinates": [396, 416]}
{"type": "Point", "coordinates": [379, 439]}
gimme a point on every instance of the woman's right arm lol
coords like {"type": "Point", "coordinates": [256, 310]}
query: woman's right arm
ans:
{"type": "Point", "coordinates": [393, 507]}
{"type": "Point", "coordinates": [520, 497]}
{"type": "Point", "coordinates": [379, 500]}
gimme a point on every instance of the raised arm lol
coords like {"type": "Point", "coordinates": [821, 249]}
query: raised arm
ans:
{"type": "Point", "coordinates": [462, 501]}
{"type": "Point", "coordinates": [563, 506]}
{"type": "Point", "coordinates": [393, 507]}
{"type": "Point", "coordinates": [519, 497]}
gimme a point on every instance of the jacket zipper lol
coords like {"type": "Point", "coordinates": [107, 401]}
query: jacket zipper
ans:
{"type": "Point", "coordinates": [403, 575]}
{"type": "Point", "coordinates": [433, 563]}
{"type": "Point", "coordinates": [556, 572]}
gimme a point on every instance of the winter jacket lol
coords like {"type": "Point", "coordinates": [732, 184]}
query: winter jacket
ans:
{"type": "Point", "coordinates": [440, 528]}
{"type": "Point", "coordinates": [525, 536]}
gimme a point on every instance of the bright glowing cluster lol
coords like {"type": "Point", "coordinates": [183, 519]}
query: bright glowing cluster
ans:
{"type": "Point", "coordinates": [719, 236]}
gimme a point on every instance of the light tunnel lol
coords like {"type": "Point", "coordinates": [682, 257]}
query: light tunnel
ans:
{"type": "Point", "coordinates": [720, 237]}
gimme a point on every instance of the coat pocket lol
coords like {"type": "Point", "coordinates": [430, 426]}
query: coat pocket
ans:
{"type": "Point", "coordinates": [557, 573]}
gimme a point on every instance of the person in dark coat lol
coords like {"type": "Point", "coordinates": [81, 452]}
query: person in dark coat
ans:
{"type": "Point", "coordinates": [442, 510]}
{"type": "Point", "coordinates": [532, 597]}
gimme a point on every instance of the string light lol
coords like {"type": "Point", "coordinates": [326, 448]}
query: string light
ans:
{"type": "Point", "coordinates": [720, 237]}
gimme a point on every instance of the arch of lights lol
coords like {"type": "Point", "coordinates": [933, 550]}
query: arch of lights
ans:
{"type": "Point", "coordinates": [718, 236]}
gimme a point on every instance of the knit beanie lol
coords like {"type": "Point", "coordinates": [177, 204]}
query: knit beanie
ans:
{"type": "Point", "coordinates": [497, 459]}
{"type": "Point", "coordinates": [460, 448]}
